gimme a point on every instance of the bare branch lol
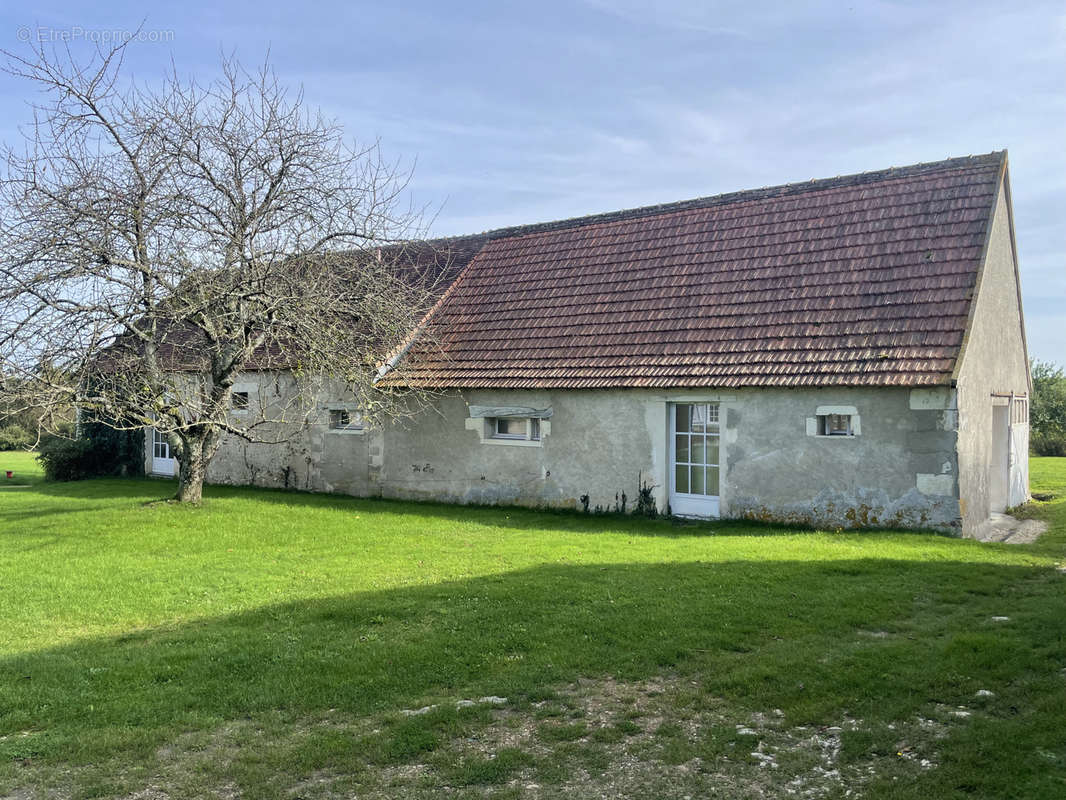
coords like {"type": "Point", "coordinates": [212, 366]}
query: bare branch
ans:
{"type": "Point", "coordinates": [158, 245]}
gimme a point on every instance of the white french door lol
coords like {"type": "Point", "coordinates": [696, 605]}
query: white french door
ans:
{"type": "Point", "coordinates": [694, 459]}
{"type": "Point", "coordinates": [162, 461]}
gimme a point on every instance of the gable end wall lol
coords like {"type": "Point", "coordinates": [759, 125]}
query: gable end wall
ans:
{"type": "Point", "coordinates": [993, 362]}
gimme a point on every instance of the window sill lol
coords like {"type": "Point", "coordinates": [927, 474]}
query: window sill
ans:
{"type": "Point", "coordinates": [347, 431]}
{"type": "Point", "coordinates": [512, 442]}
{"type": "Point", "coordinates": [479, 425]}
{"type": "Point", "coordinates": [815, 423]}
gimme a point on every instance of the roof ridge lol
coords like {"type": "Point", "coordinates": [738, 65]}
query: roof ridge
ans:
{"type": "Point", "coordinates": [994, 157]}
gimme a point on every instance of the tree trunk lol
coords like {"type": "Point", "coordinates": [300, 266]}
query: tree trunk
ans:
{"type": "Point", "coordinates": [197, 448]}
{"type": "Point", "coordinates": [191, 471]}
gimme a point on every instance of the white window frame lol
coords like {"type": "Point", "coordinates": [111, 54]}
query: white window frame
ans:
{"type": "Point", "coordinates": [508, 422]}
{"type": "Point", "coordinates": [818, 425]}
{"type": "Point", "coordinates": [160, 444]}
{"type": "Point", "coordinates": [535, 431]}
{"type": "Point", "coordinates": [835, 425]}
{"type": "Point", "coordinates": [243, 387]}
{"type": "Point", "coordinates": [688, 504]}
{"type": "Point", "coordinates": [530, 426]}
{"type": "Point", "coordinates": [356, 425]}
{"type": "Point", "coordinates": [163, 461]}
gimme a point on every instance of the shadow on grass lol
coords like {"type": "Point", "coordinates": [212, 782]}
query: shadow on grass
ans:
{"type": "Point", "coordinates": [9, 517]}
{"type": "Point", "coordinates": [507, 516]}
{"type": "Point", "coordinates": [765, 635]}
{"type": "Point", "coordinates": [152, 491]}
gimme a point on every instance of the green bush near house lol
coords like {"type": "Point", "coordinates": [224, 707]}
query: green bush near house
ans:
{"type": "Point", "coordinates": [118, 452]}
{"type": "Point", "coordinates": [66, 459]}
{"type": "Point", "coordinates": [99, 451]}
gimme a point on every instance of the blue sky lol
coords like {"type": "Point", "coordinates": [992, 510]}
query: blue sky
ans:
{"type": "Point", "coordinates": [524, 112]}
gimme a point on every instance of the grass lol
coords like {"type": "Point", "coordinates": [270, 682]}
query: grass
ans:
{"type": "Point", "coordinates": [266, 643]}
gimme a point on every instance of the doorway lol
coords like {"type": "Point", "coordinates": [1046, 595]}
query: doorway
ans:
{"type": "Point", "coordinates": [999, 458]}
{"type": "Point", "coordinates": [694, 459]}
{"type": "Point", "coordinates": [163, 463]}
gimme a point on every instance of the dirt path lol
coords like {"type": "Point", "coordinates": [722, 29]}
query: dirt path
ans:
{"type": "Point", "coordinates": [1011, 530]}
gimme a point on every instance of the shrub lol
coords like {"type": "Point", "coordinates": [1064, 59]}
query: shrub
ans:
{"type": "Point", "coordinates": [98, 451]}
{"type": "Point", "coordinates": [1047, 413]}
{"type": "Point", "coordinates": [66, 459]}
{"type": "Point", "coordinates": [1048, 444]}
{"type": "Point", "coordinates": [117, 452]}
{"type": "Point", "coordinates": [15, 437]}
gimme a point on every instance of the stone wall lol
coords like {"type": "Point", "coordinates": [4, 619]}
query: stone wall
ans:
{"type": "Point", "coordinates": [900, 470]}
{"type": "Point", "coordinates": [993, 362]}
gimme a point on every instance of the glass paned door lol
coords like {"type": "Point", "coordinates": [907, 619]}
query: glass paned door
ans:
{"type": "Point", "coordinates": [694, 434]}
{"type": "Point", "coordinates": [163, 463]}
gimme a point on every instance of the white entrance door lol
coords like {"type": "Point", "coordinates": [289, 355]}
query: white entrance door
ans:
{"type": "Point", "coordinates": [694, 456]}
{"type": "Point", "coordinates": [162, 462]}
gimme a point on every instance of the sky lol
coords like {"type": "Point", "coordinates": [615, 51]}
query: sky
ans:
{"type": "Point", "coordinates": [512, 113]}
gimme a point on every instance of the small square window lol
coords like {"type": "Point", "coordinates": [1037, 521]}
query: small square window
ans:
{"type": "Point", "coordinates": [341, 419]}
{"type": "Point", "coordinates": [508, 428]}
{"type": "Point", "coordinates": [835, 425]}
{"type": "Point", "coordinates": [239, 401]}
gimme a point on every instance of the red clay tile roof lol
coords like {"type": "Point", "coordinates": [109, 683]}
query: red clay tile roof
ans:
{"type": "Point", "coordinates": [858, 280]}
{"type": "Point", "coordinates": [431, 264]}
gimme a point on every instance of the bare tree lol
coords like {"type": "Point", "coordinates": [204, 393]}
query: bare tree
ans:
{"type": "Point", "coordinates": [156, 243]}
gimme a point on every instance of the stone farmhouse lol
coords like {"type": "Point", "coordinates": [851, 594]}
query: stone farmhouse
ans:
{"type": "Point", "coordinates": [846, 352]}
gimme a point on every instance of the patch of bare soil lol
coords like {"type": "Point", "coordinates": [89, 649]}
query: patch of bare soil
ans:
{"type": "Point", "coordinates": [1011, 530]}
{"type": "Point", "coordinates": [593, 739]}
{"type": "Point", "coordinates": [663, 738]}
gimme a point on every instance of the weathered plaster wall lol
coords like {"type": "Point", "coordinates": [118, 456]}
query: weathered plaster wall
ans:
{"type": "Point", "coordinates": [994, 361]}
{"type": "Point", "coordinates": [305, 453]}
{"type": "Point", "coordinates": [598, 444]}
{"type": "Point", "coordinates": [899, 471]}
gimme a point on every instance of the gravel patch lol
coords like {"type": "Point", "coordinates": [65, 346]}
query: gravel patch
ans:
{"type": "Point", "coordinates": [603, 738]}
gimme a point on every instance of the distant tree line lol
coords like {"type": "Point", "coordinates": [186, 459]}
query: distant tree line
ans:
{"type": "Point", "coordinates": [21, 425]}
{"type": "Point", "coordinates": [1047, 412]}
{"type": "Point", "coordinates": [18, 431]}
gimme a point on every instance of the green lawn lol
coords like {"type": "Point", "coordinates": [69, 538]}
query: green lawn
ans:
{"type": "Point", "coordinates": [266, 643]}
